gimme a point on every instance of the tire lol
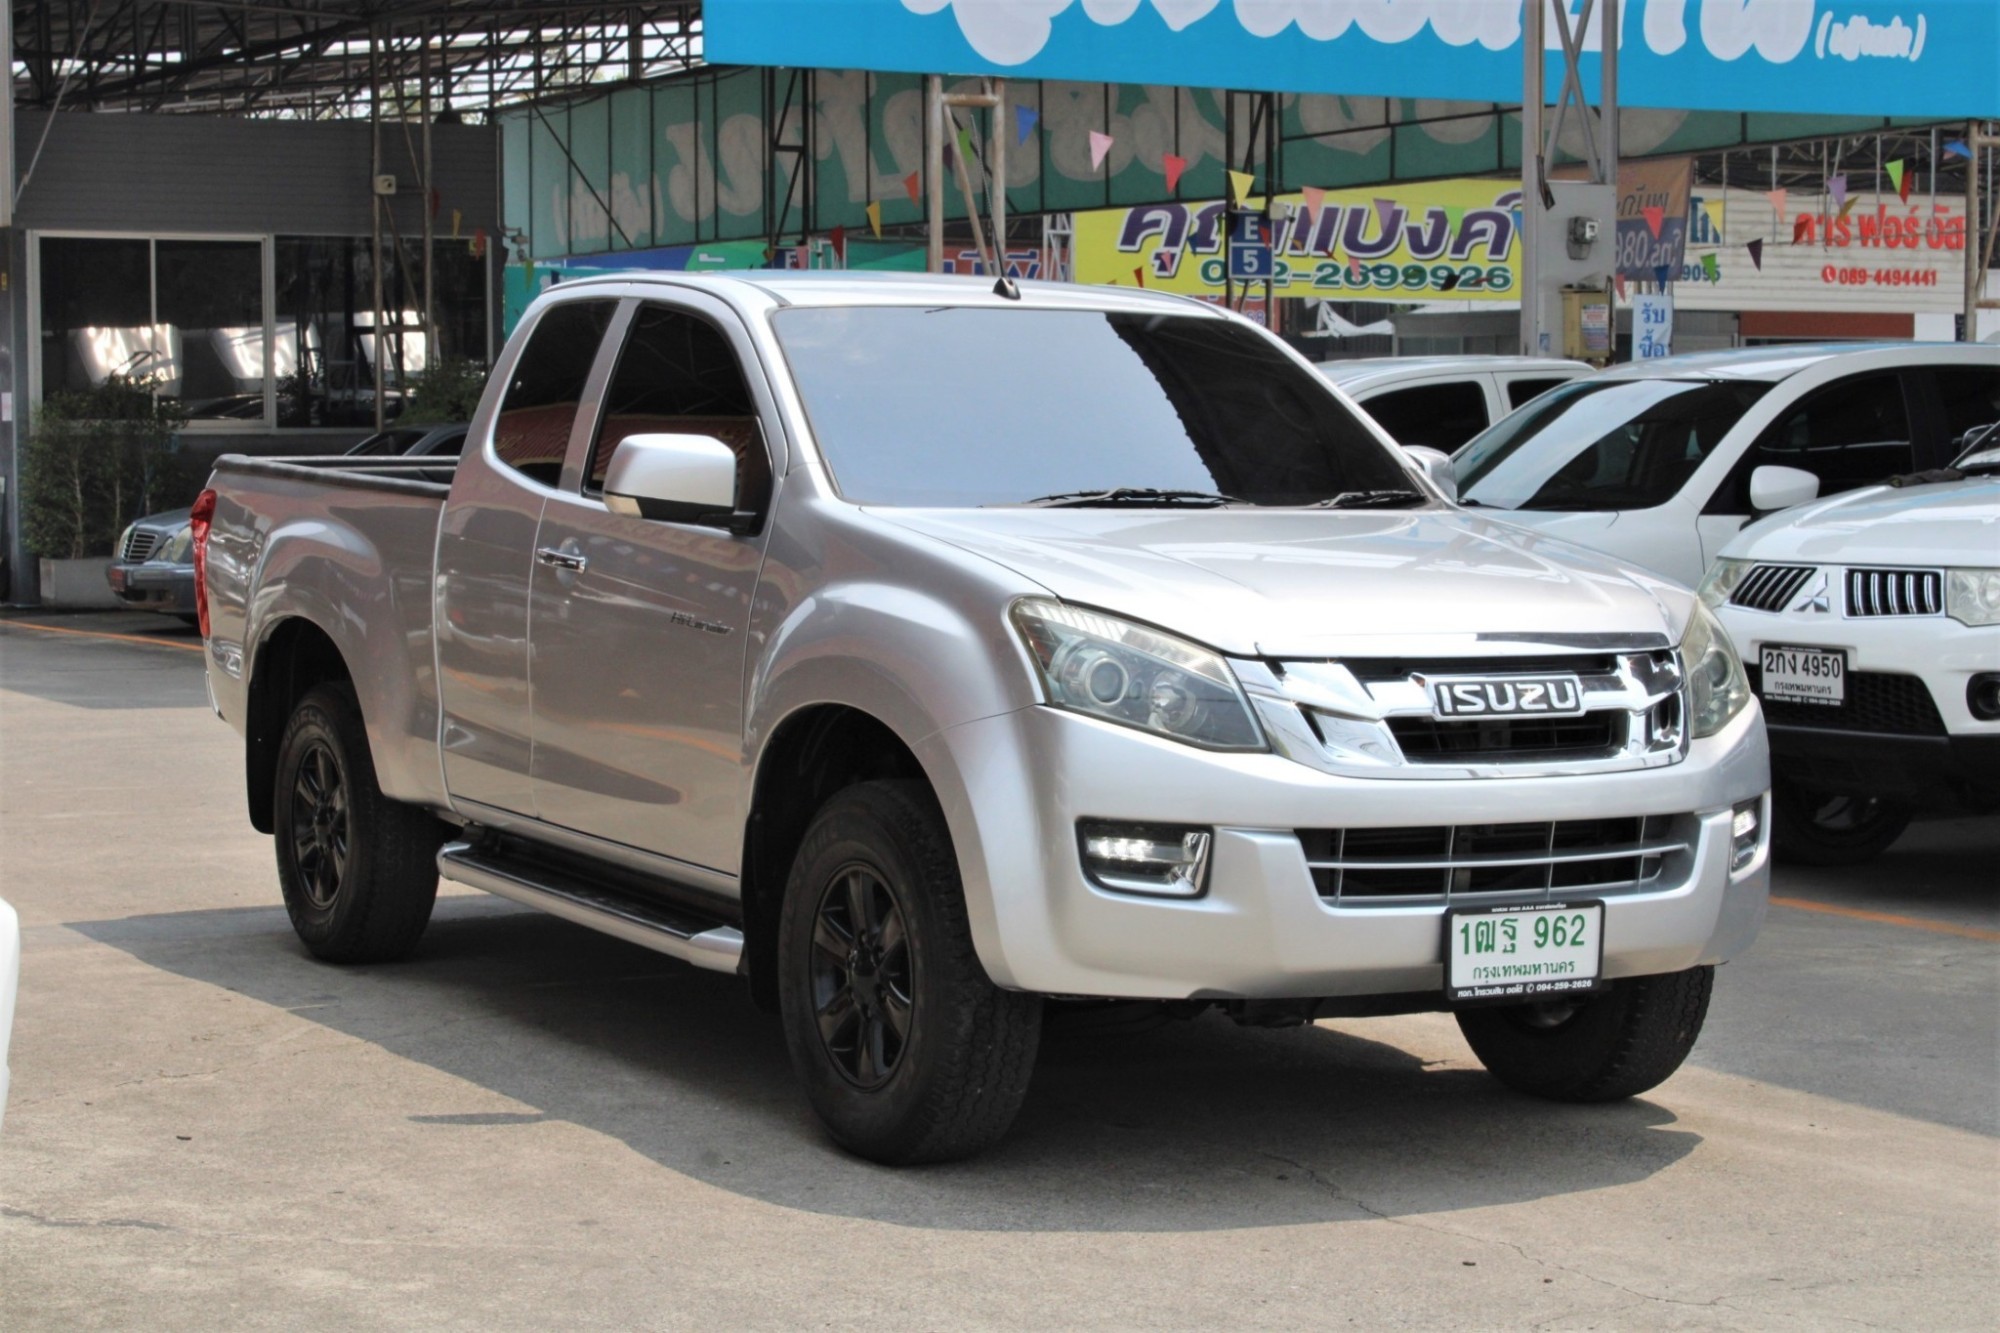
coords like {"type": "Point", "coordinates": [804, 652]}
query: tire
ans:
{"type": "Point", "coordinates": [358, 870]}
{"type": "Point", "coordinates": [1598, 1049]}
{"type": "Point", "coordinates": [907, 1051]}
{"type": "Point", "coordinates": [1832, 829]}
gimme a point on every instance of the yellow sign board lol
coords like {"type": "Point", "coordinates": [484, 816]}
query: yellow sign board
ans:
{"type": "Point", "coordinates": [1451, 240]}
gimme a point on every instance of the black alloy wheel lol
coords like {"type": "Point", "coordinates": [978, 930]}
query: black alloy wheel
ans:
{"type": "Point", "coordinates": [863, 983]}
{"type": "Point", "coordinates": [321, 834]}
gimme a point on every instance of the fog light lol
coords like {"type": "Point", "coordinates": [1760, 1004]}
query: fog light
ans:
{"type": "Point", "coordinates": [1982, 695]}
{"type": "Point", "coordinates": [1163, 860]}
{"type": "Point", "coordinates": [1746, 827]}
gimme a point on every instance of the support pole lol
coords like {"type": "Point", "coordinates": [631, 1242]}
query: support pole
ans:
{"type": "Point", "coordinates": [1531, 174]}
{"type": "Point", "coordinates": [430, 221]}
{"type": "Point", "coordinates": [1975, 277]}
{"type": "Point", "coordinates": [996, 177]}
{"type": "Point", "coordinates": [934, 174]}
{"type": "Point", "coordinates": [375, 216]}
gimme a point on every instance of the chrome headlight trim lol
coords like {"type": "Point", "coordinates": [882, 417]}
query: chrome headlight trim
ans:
{"type": "Point", "coordinates": [1117, 670]}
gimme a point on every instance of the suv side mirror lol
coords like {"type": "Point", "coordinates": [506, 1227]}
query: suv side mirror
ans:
{"type": "Point", "coordinates": [676, 479]}
{"type": "Point", "coordinates": [1436, 464]}
{"type": "Point", "coordinates": [1773, 487]}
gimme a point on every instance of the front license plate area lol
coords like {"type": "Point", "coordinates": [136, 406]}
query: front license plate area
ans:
{"type": "Point", "coordinates": [1522, 953]}
{"type": "Point", "coordinates": [1803, 675]}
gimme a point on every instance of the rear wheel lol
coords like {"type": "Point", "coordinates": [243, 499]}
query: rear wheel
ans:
{"type": "Point", "coordinates": [1598, 1048]}
{"type": "Point", "coordinates": [908, 1052]}
{"type": "Point", "coordinates": [358, 870]}
{"type": "Point", "coordinates": [1812, 828]}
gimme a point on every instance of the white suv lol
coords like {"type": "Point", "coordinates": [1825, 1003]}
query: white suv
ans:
{"type": "Point", "coordinates": [1870, 626]}
{"type": "Point", "coordinates": [1662, 463]}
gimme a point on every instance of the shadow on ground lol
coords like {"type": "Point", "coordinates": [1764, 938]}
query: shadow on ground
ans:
{"type": "Point", "coordinates": [1195, 1126]}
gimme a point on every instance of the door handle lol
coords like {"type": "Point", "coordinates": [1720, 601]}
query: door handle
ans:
{"type": "Point", "coordinates": [549, 555]}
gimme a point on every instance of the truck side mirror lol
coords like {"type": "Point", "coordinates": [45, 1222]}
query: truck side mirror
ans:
{"type": "Point", "coordinates": [676, 479]}
{"type": "Point", "coordinates": [1436, 465]}
{"type": "Point", "coordinates": [1773, 487]}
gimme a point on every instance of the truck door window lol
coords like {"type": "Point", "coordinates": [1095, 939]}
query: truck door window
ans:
{"type": "Point", "coordinates": [1442, 415]}
{"type": "Point", "coordinates": [677, 374]}
{"type": "Point", "coordinates": [1520, 391]}
{"type": "Point", "coordinates": [531, 434]}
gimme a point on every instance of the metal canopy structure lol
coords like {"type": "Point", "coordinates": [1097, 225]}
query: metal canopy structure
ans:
{"type": "Point", "coordinates": [336, 58]}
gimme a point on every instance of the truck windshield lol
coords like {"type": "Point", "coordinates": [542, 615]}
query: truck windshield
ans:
{"type": "Point", "coordinates": [1602, 444]}
{"type": "Point", "coordinates": [957, 407]}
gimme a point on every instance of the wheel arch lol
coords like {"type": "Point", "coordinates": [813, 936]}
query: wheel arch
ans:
{"type": "Point", "coordinates": [294, 655]}
{"type": "Point", "coordinates": [815, 751]}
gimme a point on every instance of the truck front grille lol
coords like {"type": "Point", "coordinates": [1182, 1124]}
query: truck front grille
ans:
{"type": "Point", "coordinates": [1895, 592]}
{"type": "Point", "coordinates": [1427, 740]}
{"type": "Point", "coordinates": [139, 546]}
{"type": "Point", "coordinates": [1882, 702]}
{"type": "Point", "coordinates": [1770, 587]}
{"type": "Point", "coordinates": [1474, 862]}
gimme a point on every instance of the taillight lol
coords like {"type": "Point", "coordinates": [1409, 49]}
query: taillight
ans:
{"type": "Point", "coordinates": [199, 518]}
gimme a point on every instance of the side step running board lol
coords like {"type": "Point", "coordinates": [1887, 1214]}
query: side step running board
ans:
{"type": "Point", "coordinates": [657, 926]}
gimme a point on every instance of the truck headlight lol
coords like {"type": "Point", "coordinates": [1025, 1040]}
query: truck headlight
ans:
{"type": "Point", "coordinates": [1972, 596]}
{"type": "Point", "coordinates": [1109, 668]}
{"type": "Point", "coordinates": [1721, 581]}
{"type": "Point", "coordinates": [1717, 686]}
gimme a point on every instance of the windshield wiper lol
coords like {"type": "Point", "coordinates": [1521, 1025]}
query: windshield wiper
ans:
{"type": "Point", "coordinates": [1389, 499]}
{"type": "Point", "coordinates": [1136, 497]}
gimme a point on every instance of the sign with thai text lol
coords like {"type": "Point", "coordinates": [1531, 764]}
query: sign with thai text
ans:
{"type": "Point", "coordinates": [1453, 240]}
{"type": "Point", "coordinates": [1896, 57]}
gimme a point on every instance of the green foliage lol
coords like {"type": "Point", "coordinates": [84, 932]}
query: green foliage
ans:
{"type": "Point", "coordinates": [447, 392]}
{"type": "Point", "coordinates": [95, 460]}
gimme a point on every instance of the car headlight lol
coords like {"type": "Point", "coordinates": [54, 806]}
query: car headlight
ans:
{"type": "Point", "coordinates": [1972, 596]}
{"type": "Point", "coordinates": [1108, 668]}
{"type": "Point", "coordinates": [179, 548]}
{"type": "Point", "coordinates": [1717, 686]}
{"type": "Point", "coordinates": [1723, 576]}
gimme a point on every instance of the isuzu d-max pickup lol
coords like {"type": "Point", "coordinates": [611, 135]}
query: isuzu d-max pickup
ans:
{"type": "Point", "coordinates": [934, 654]}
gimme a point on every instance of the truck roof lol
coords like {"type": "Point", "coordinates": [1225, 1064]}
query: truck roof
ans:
{"type": "Point", "coordinates": [837, 287]}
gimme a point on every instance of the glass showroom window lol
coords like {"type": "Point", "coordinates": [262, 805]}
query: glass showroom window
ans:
{"type": "Point", "coordinates": [331, 355]}
{"type": "Point", "coordinates": [185, 316]}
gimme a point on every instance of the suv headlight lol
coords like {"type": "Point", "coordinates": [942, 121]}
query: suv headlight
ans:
{"type": "Point", "coordinates": [1972, 596]}
{"type": "Point", "coordinates": [1723, 576]}
{"type": "Point", "coordinates": [1717, 686]}
{"type": "Point", "coordinates": [177, 549]}
{"type": "Point", "coordinates": [1108, 668]}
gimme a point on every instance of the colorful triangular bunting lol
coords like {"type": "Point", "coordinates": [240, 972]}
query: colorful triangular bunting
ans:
{"type": "Point", "coordinates": [875, 215]}
{"type": "Point", "coordinates": [1654, 215]}
{"type": "Point", "coordinates": [1239, 185]}
{"type": "Point", "coordinates": [1756, 249]}
{"type": "Point", "coordinates": [1779, 199]}
{"type": "Point", "coordinates": [1711, 267]}
{"type": "Point", "coordinates": [1172, 166]}
{"type": "Point", "coordinates": [1100, 144]}
{"type": "Point", "coordinates": [1024, 122]}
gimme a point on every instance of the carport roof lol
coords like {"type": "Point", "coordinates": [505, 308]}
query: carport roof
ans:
{"type": "Point", "coordinates": [312, 58]}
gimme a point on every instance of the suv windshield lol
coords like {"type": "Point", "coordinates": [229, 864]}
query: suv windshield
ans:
{"type": "Point", "coordinates": [957, 407]}
{"type": "Point", "coordinates": [1602, 444]}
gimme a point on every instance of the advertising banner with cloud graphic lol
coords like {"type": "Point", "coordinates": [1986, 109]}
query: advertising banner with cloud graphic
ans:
{"type": "Point", "coordinates": [1454, 240]}
{"type": "Point", "coordinates": [1924, 58]}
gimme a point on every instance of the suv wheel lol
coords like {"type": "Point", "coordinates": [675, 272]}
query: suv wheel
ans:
{"type": "Point", "coordinates": [1598, 1048]}
{"type": "Point", "coordinates": [908, 1052]}
{"type": "Point", "coordinates": [1811, 828]}
{"type": "Point", "coordinates": [358, 870]}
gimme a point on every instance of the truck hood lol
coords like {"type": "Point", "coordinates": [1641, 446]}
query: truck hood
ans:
{"type": "Point", "coordinates": [1951, 523]}
{"type": "Point", "coordinates": [1291, 583]}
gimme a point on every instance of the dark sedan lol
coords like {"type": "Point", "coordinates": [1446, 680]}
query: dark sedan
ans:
{"type": "Point", "coordinates": [153, 567]}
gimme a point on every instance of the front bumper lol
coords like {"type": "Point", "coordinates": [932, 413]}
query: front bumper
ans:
{"type": "Point", "coordinates": [1014, 786]}
{"type": "Point", "coordinates": [153, 586]}
{"type": "Point", "coordinates": [1952, 757]}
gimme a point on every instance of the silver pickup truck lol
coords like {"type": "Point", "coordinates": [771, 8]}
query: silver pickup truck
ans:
{"type": "Point", "coordinates": [935, 654]}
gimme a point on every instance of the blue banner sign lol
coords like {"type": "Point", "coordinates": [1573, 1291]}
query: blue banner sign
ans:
{"type": "Point", "coordinates": [1917, 58]}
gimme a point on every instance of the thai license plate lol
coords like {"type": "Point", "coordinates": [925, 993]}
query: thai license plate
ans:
{"type": "Point", "coordinates": [1804, 675]}
{"type": "Point", "coordinates": [1523, 953]}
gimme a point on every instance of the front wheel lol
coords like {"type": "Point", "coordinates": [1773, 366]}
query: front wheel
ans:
{"type": "Point", "coordinates": [358, 870]}
{"type": "Point", "coordinates": [1811, 828]}
{"type": "Point", "coordinates": [1598, 1048]}
{"type": "Point", "coordinates": [907, 1051]}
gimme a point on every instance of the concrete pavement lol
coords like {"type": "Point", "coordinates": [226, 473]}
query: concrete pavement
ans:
{"type": "Point", "coordinates": [530, 1126]}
